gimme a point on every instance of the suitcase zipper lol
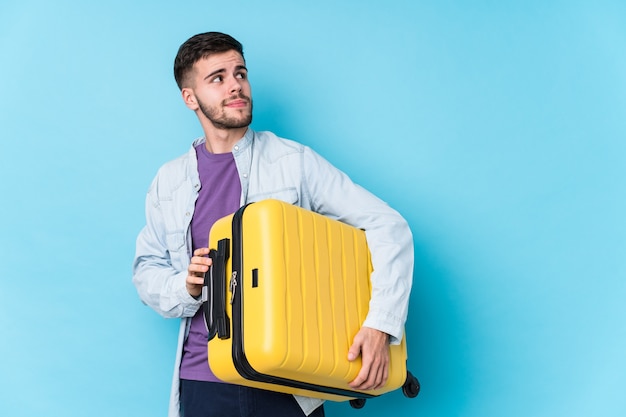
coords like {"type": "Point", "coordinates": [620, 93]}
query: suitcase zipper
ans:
{"type": "Point", "coordinates": [233, 286]}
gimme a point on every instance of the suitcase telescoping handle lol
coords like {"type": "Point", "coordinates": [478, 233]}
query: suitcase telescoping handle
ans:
{"type": "Point", "coordinates": [214, 292]}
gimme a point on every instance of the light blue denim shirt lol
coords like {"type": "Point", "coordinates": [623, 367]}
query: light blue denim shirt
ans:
{"type": "Point", "coordinates": [269, 167]}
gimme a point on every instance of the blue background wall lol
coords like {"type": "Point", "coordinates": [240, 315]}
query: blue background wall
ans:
{"type": "Point", "coordinates": [496, 128]}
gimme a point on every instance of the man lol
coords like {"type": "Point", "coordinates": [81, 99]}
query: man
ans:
{"type": "Point", "coordinates": [227, 168]}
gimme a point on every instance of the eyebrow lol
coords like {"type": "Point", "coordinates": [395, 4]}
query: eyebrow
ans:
{"type": "Point", "coordinates": [222, 70]}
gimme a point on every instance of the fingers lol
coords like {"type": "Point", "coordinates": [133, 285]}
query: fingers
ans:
{"type": "Point", "coordinates": [199, 265]}
{"type": "Point", "coordinates": [373, 375]}
{"type": "Point", "coordinates": [373, 346]}
{"type": "Point", "coordinates": [200, 262]}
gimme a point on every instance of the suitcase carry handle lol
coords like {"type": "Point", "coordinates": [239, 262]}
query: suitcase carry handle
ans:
{"type": "Point", "coordinates": [207, 298]}
{"type": "Point", "coordinates": [214, 292]}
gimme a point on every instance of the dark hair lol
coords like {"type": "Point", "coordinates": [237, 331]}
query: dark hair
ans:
{"type": "Point", "coordinates": [198, 47]}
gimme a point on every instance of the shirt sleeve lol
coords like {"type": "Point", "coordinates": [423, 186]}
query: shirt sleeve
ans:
{"type": "Point", "coordinates": [160, 265]}
{"type": "Point", "coordinates": [389, 238]}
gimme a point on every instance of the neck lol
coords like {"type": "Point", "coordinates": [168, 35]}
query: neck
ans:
{"type": "Point", "coordinates": [222, 140]}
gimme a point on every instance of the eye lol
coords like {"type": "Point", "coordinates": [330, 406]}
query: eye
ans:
{"type": "Point", "coordinates": [241, 75]}
{"type": "Point", "coordinates": [217, 79]}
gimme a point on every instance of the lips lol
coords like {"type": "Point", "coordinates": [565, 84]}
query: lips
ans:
{"type": "Point", "coordinates": [237, 103]}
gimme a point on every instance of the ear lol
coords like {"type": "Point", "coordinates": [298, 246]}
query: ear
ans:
{"type": "Point", "coordinates": [189, 98]}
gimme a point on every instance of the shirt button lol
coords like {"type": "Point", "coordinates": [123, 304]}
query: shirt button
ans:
{"type": "Point", "coordinates": [187, 214]}
{"type": "Point", "coordinates": [236, 148]}
{"type": "Point", "coordinates": [245, 175]}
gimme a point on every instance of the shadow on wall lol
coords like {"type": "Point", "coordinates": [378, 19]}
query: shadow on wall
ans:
{"type": "Point", "coordinates": [438, 353]}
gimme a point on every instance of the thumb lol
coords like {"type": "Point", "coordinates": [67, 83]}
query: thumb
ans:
{"type": "Point", "coordinates": [354, 351]}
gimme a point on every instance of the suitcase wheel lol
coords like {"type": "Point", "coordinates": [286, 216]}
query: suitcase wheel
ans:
{"type": "Point", "coordinates": [411, 386]}
{"type": "Point", "coordinates": [357, 403]}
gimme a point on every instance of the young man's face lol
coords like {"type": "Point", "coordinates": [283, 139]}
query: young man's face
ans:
{"type": "Point", "coordinates": [221, 90]}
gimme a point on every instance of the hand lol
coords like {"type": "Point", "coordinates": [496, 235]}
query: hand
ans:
{"type": "Point", "coordinates": [373, 347]}
{"type": "Point", "coordinates": [199, 265]}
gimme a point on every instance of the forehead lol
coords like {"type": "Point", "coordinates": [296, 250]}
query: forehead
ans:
{"type": "Point", "coordinates": [221, 61]}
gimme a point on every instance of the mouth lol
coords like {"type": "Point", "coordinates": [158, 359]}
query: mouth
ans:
{"type": "Point", "coordinates": [237, 103]}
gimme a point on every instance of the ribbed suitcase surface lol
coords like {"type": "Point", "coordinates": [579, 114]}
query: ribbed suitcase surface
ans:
{"type": "Point", "coordinates": [295, 289]}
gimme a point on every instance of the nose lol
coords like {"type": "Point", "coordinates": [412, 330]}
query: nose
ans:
{"type": "Point", "coordinates": [235, 85]}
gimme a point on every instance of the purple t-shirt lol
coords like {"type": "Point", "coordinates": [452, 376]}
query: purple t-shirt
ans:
{"type": "Point", "coordinates": [219, 196]}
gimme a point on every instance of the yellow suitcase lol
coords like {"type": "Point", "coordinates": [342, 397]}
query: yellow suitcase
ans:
{"type": "Point", "coordinates": [287, 293]}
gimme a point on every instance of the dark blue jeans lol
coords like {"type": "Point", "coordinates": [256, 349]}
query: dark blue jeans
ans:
{"type": "Point", "coordinates": [213, 399]}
